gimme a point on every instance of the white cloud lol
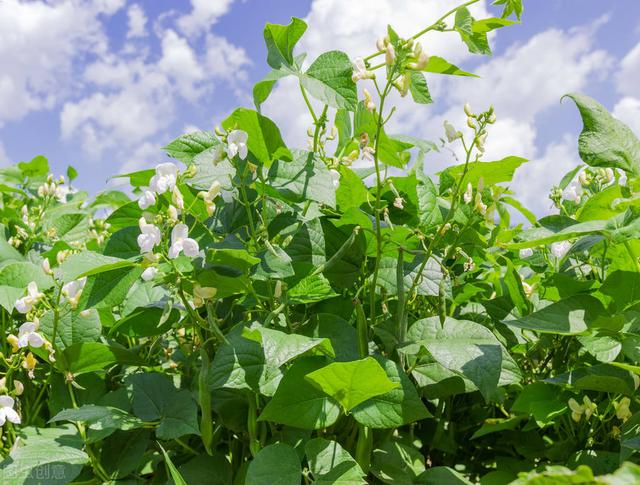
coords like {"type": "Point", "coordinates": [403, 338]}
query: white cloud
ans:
{"type": "Point", "coordinates": [629, 73]}
{"type": "Point", "coordinates": [627, 110]}
{"type": "Point", "coordinates": [534, 180]}
{"type": "Point", "coordinates": [180, 63]}
{"type": "Point", "coordinates": [39, 42]}
{"type": "Point", "coordinates": [137, 22]}
{"type": "Point", "coordinates": [204, 13]}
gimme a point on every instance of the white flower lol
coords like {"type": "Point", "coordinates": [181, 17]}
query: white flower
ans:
{"type": "Point", "coordinates": [61, 193]}
{"type": "Point", "coordinates": [210, 195]}
{"type": "Point", "coordinates": [46, 266]}
{"type": "Point", "coordinates": [176, 198]}
{"type": "Point", "coordinates": [451, 132]}
{"type": "Point", "coordinates": [7, 412]}
{"type": "Point", "coordinates": [368, 154]}
{"type": "Point", "coordinates": [146, 200]}
{"type": "Point", "coordinates": [237, 144]}
{"type": "Point", "coordinates": [360, 70]}
{"type": "Point", "coordinates": [623, 179]}
{"type": "Point", "coordinates": [172, 213]}
{"type": "Point", "coordinates": [560, 249]}
{"type": "Point", "coordinates": [573, 192]}
{"type": "Point", "coordinates": [165, 178]}
{"type": "Point", "coordinates": [622, 409]}
{"type": "Point", "coordinates": [468, 194]}
{"type": "Point", "coordinates": [398, 203]}
{"type": "Point", "coordinates": [525, 253]}
{"type": "Point", "coordinates": [150, 236]}
{"type": "Point", "coordinates": [368, 101]}
{"type": "Point", "coordinates": [28, 335]}
{"type": "Point", "coordinates": [149, 273]}
{"type": "Point", "coordinates": [71, 291]}
{"type": "Point", "coordinates": [180, 241]}
{"type": "Point", "coordinates": [608, 174]}
{"type": "Point", "coordinates": [335, 177]}
{"type": "Point", "coordinates": [25, 304]}
{"type": "Point", "coordinates": [390, 55]}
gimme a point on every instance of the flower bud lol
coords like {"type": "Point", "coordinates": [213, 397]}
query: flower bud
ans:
{"type": "Point", "coordinates": [46, 267]}
{"type": "Point", "coordinates": [491, 119]}
{"type": "Point", "coordinates": [451, 132]}
{"type": "Point", "coordinates": [471, 124]}
{"type": "Point", "coordinates": [19, 387]}
{"type": "Point", "coordinates": [467, 110]}
{"type": "Point", "coordinates": [176, 197]}
{"type": "Point", "coordinates": [368, 101]}
{"type": "Point", "coordinates": [172, 213]}
{"type": "Point", "coordinates": [468, 194]}
{"type": "Point", "coordinates": [380, 44]}
{"type": "Point", "coordinates": [219, 131]}
{"type": "Point", "coordinates": [390, 55]}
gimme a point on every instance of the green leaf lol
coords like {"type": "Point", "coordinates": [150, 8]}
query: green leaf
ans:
{"type": "Point", "coordinates": [599, 377]}
{"type": "Point", "coordinates": [298, 403]}
{"type": "Point", "coordinates": [280, 41]}
{"type": "Point", "coordinates": [213, 470]}
{"type": "Point", "coordinates": [352, 192]}
{"type": "Point", "coordinates": [156, 399]}
{"type": "Point", "coordinates": [540, 400]}
{"type": "Point", "coordinates": [9, 295]}
{"type": "Point", "coordinates": [397, 463]}
{"type": "Point", "coordinates": [510, 7]}
{"type": "Point", "coordinates": [37, 167]}
{"type": "Point", "coordinates": [330, 463]}
{"type": "Point", "coordinates": [72, 327]}
{"type": "Point", "coordinates": [276, 464]}
{"type": "Point", "coordinates": [108, 289]}
{"type": "Point", "coordinates": [99, 417]}
{"type": "Point", "coordinates": [513, 282]}
{"type": "Point", "coordinates": [464, 347]}
{"type": "Point", "coordinates": [173, 471]}
{"type": "Point", "coordinates": [605, 141]}
{"type": "Point", "coordinates": [241, 364]}
{"type": "Point", "coordinates": [20, 274]}
{"type": "Point", "coordinates": [86, 357]}
{"type": "Point", "coordinates": [428, 284]}
{"type": "Point", "coordinates": [463, 21]}
{"type": "Point", "coordinates": [329, 80]}
{"type": "Point", "coordinates": [262, 89]}
{"type": "Point", "coordinates": [570, 316]}
{"type": "Point", "coordinates": [186, 147]}
{"type": "Point", "coordinates": [264, 141]}
{"type": "Point", "coordinates": [351, 383]}
{"type": "Point", "coordinates": [443, 475]}
{"type": "Point", "coordinates": [274, 265]}
{"type": "Point", "coordinates": [311, 289]}
{"type": "Point", "coordinates": [429, 213]}
{"type": "Point", "coordinates": [491, 172]}
{"type": "Point", "coordinates": [396, 407]}
{"type": "Point", "coordinates": [623, 287]}
{"type": "Point", "coordinates": [306, 177]}
{"type": "Point", "coordinates": [87, 263]}
{"type": "Point", "coordinates": [487, 25]}
{"type": "Point", "coordinates": [438, 65]}
{"type": "Point", "coordinates": [146, 322]}
{"type": "Point", "coordinates": [419, 89]}
{"type": "Point", "coordinates": [279, 347]}
{"type": "Point", "coordinates": [39, 451]}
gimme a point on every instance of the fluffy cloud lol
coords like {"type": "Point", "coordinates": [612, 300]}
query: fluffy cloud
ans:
{"type": "Point", "coordinates": [39, 43]}
{"type": "Point", "coordinates": [627, 110]}
{"type": "Point", "coordinates": [137, 22]}
{"type": "Point", "coordinates": [204, 13]}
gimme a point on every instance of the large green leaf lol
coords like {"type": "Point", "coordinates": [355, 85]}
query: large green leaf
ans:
{"type": "Point", "coordinates": [264, 141]}
{"type": "Point", "coordinates": [490, 172]}
{"type": "Point", "coordinates": [241, 364]}
{"type": "Point", "coordinates": [306, 177]}
{"type": "Point", "coordinates": [87, 263]}
{"type": "Point", "coordinates": [280, 347]}
{"type": "Point", "coordinates": [570, 316]}
{"type": "Point", "coordinates": [155, 398]}
{"type": "Point", "coordinates": [72, 327]}
{"type": "Point", "coordinates": [186, 147]}
{"type": "Point", "coordinates": [605, 141]}
{"type": "Point", "coordinates": [352, 383]}
{"type": "Point", "coordinates": [330, 463]}
{"type": "Point", "coordinates": [329, 80]}
{"type": "Point", "coordinates": [280, 41]}
{"type": "Point", "coordinates": [108, 289]}
{"type": "Point", "coordinates": [86, 357]}
{"type": "Point", "coordinates": [276, 464]}
{"type": "Point", "coordinates": [41, 452]}
{"type": "Point", "coordinates": [464, 347]}
{"type": "Point", "coordinates": [298, 403]}
{"type": "Point", "coordinates": [396, 407]}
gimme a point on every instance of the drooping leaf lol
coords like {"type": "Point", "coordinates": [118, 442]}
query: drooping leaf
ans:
{"type": "Point", "coordinates": [330, 463]}
{"type": "Point", "coordinates": [329, 80]}
{"type": "Point", "coordinates": [277, 464]}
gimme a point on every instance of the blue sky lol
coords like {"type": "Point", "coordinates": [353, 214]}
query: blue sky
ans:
{"type": "Point", "coordinates": [103, 84]}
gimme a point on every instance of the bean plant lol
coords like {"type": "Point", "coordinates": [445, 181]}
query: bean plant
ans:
{"type": "Point", "coordinates": [252, 313]}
